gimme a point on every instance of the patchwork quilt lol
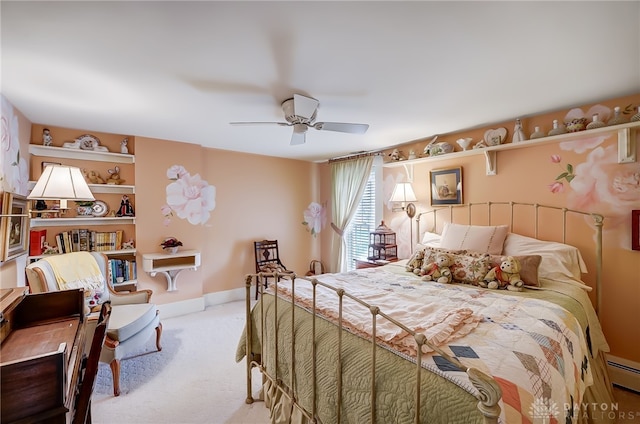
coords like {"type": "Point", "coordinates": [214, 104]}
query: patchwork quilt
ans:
{"type": "Point", "coordinates": [536, 350]}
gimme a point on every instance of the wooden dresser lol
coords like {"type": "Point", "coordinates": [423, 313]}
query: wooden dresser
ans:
{"type": "Point", "coordinates": [42, 341]}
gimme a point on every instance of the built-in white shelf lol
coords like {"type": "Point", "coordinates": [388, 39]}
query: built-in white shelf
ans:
{"type": "Point", "coordinates": [626, 146]}
{"type": "Point", "coordinates": [66, 222]}
{"type": "Point", "coordinates": [131, 252]}
{"type": "Point", "coordinates": [170, 264]}
{"type": "Point", "coordinates": [66, 153]}
{"type": "Point", "coordinates": [102, 188]}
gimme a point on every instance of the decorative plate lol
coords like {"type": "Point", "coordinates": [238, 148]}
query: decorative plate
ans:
{"type": "Point", "coordinates": [100, 208]}
{"type": "Point", "coordinates": [88, 142]}
{"type": "Point", "coordinates": [495, 137]}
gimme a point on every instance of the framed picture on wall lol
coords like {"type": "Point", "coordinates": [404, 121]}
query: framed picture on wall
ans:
{"type": "Point", "coordinates": [446, 186]}
{"type": "Point", "coordinates": [14, 227]}
{"type": "Point", "coordinates": [635, 229]}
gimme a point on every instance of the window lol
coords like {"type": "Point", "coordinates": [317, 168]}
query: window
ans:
{"type": "Point", "coordinates": [366, 218]}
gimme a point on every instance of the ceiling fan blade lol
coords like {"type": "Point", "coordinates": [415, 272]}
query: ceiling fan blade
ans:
{"type": "Point", "coordinates": [342, 127]}
{"type": "Point", "coordinates": [304, 106]}
{"type": "Point", "coordinates": [282, 124]}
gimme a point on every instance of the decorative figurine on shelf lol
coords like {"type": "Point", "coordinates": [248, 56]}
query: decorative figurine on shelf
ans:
{"type": "Point", "coordinates": [412, 154]}
{"type": "Point", "coordinates": [123, 146]}
{"type": "Point", "coordinates": [396, 155]}
{"type": "Point", "coordinates": [41, 205]}
{"type": "Point", "coordinates": [114, 179]}
{"type": "Point", "coordinates": [49, 250]}
{"type": "Point", "coordinates": [47, 139]}
{"type": "Point", "coordinates": [537, 133]}
{"type": "Point", "coordinates": [126, 209]}
{"type": "Point", "coordinates": [518, 133]}
{"type": "Point", "coordinates": [128, 244]}
{"type": "Point", "coordinates": [464, 142]}
{"type": "Point", "coordinates": [94, 178]}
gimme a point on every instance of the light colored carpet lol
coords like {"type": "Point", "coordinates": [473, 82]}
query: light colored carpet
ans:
{"type": "Point", "coordinates": [194, 379]}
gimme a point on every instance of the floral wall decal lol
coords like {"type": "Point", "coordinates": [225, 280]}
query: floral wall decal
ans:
{"type": "Point", "coordinates": [188, 197]}
{"type": "Point", "coordinates": [567, 174]}
{"type": "Point", "coordinates": [596, 182]}
{"type": "Point", "coordinates": [14, 172]}
{"type": "Point", "coordinates": [315, 218]}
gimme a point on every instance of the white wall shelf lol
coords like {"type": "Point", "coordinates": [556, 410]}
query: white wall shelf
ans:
{"type": "Point", "coordinates": [66, 222]}
{"type": "Point", "coordinates": [103, 188]}
{"type": "Point", "coordinates": [170, 265]}
{"type": "Point", "coordinates": [106, 252]}
{"type": "Point", "coordinates": [626, 147]}
{"type": "Point", "coordinates": [66, 153]}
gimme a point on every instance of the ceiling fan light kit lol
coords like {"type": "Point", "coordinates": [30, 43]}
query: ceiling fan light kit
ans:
{"type": "Point", "coordinates": [300, 113]}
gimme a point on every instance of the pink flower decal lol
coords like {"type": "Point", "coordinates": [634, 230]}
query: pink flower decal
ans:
{"type": "Point", "coordinates": [603, 183]}
{"type": "Point", "coordinates": [556, 187]}
{"type": "Point", "coordinates": [567, 174]}
{"type": "Point", "coordinates": [188, 197]}
{"type": "Point", "coordinates": [315, 217]}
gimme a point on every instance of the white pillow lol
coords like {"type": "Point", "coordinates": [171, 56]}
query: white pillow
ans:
{"type": "Point", "coordinates": [431, 239]}
{"type": "Point", "coordinates": [477, 238]}
{"type": "Point", "coordinates": [560, 262]}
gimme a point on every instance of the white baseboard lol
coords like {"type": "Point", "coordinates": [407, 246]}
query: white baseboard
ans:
{"type": "Point", "coordinates": [183, 307]}
{"type": "Point", "coordinates": [624, 372]}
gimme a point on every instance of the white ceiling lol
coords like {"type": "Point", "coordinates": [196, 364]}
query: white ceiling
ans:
{"type": "Point", "coordinates": [183, 70]}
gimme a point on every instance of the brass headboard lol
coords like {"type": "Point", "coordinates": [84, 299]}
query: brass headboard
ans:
{"type": "Point", "coordinates": [488, 210]}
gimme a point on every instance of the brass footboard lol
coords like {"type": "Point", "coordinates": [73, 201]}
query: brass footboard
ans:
{"type": "Point", "coordinates": [489, 392]}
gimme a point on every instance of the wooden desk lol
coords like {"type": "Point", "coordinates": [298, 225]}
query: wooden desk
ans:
{"type": "Point", "coordinates": [41, 351]}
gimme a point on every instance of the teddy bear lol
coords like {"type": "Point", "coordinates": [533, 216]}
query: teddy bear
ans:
{"type": "Point", "coordinates": [504, 276]}
{"type": "Point", "coordinates": [439, 270]}
{"type": "Point", "coordinates": [415, 263]}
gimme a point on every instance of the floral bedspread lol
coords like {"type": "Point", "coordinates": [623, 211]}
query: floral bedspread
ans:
{"type": "Point", "coordinates": [535, 350]}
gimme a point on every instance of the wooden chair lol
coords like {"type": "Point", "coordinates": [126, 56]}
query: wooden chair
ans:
{"type": "Point", "coordinates": [82, 413]}
{"type": "Point", "coordinates": [267, 258]}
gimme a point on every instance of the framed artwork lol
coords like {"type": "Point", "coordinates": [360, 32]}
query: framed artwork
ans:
{"type": "Point", "coordinates": [635, 229]}
{"type": "Point", "coordinates": [14, 228]}
{"type": "Point", "coordinates": [446, 186]}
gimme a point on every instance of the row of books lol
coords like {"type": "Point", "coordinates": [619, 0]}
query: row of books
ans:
{"type": "Point", "coordinates": [124, 268]}
{"type": "Point", "coordinates": [80, 239]}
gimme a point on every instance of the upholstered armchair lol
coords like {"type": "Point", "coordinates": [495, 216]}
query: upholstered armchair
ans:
{"type": "Point", "coordinates": [133, 318]}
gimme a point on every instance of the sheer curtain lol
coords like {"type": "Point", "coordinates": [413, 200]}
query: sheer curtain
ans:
{"type": "Point", "coordinates": [349, 178]}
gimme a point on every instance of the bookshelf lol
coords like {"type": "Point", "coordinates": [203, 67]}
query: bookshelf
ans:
{"type": "Point", "coordinates": [55, 222]}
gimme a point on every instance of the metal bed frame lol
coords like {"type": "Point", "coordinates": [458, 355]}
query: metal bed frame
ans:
{"type": "Point", "coordinates": [489, 393]}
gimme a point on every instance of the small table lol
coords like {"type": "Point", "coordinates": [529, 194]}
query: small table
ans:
{"type": "Point", "coordinates": [170, 265]}
{"type": "Point", "coordinates": [366, 263]}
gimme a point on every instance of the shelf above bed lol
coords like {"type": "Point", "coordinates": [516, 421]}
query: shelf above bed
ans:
{"type": "Point", "coordinates": [626, 147]}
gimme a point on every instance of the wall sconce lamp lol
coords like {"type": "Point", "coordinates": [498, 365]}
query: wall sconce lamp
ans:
{"type": "Point", "coordinates": [403, 193]}
{"type": "Point", "coordinates": [61, 182]}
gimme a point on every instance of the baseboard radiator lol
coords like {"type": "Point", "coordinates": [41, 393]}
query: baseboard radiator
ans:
{"type": "Point", "coordinates": [624, 372]}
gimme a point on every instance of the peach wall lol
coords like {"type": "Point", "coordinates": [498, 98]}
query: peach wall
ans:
{"type": "Point", "coordinates": [12, 272]}
{"type": "Point", "coordinates": [257, 197]}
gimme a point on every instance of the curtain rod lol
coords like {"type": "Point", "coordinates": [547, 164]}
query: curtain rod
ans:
{"type": "Point", "coordinates": [351, 157]}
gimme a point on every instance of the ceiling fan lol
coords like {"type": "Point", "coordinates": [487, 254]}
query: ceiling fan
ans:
{"type": "Point", "coordinates": [300, 113]}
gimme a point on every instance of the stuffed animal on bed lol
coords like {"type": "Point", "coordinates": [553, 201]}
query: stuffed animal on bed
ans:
{"type": "Point", "coordinates": [504, 276]}
{"type": "Point", "coordinates": [415, 263]}
{"type": "Point", "coordinates": [438, 270]}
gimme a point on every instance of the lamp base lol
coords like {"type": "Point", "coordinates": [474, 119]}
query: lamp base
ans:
{"type": "Point", "coordinates": [411, 210]}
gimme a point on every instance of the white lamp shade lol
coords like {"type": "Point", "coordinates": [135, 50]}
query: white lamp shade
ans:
{"type": "Point", "coordinates": [61, 182]}
{"type": "Point", "coordinates": [403, 192]}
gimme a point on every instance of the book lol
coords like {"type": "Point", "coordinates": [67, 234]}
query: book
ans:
{"type": "Point", "coordinates": [36, 241]}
